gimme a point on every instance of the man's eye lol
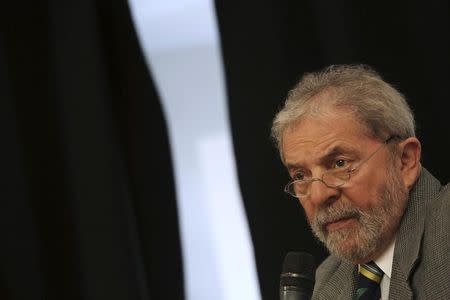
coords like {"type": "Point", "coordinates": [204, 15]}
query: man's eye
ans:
{"type": "Point", "coordinates": [340, 163]}
{"type": "Point", "coordinates": [298, 176]}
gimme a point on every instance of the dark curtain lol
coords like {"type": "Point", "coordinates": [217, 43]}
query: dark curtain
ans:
{"type": "Point", "coordinates": [268, 45]}
{"type": "Point", "coordinates": [87, 202]}
{"type": "Point", "coordinates": [88, 206]}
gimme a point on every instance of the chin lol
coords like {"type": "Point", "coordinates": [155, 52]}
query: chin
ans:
{"type": "Point", "coordinates": [350, 246]}
{"type": "Point", "coordinates": [351, 254]}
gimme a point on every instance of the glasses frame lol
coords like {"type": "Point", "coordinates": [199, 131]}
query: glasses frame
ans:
{"type": "Point", "coordinates": [348, 171]}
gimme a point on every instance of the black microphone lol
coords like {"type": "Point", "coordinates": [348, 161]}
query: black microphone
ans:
{"type": "Point", "coordinates": [297, 276]}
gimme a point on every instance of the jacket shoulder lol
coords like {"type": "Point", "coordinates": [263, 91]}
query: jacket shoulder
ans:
{"type": "Point", "coordinates": [335, 279]}
{"type": "Point", "coordinates": [326, 268]}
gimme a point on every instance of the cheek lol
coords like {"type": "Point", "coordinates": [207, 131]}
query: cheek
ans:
{"type": "Point", "coordinates": [364, 193]}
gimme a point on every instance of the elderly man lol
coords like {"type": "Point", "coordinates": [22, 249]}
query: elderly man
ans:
{"type": "Point", "coordinates": [348, 141]}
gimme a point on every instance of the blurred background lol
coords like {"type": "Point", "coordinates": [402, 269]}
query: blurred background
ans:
{"type": "Point", "coordinates": [136, 153]}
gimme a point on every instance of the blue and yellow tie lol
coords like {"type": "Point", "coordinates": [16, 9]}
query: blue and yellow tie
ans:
{"type": "Point", "coordinates": [369, 282]}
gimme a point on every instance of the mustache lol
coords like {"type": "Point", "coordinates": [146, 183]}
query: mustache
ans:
{"type": "Point", "coordinates": [334, 213]}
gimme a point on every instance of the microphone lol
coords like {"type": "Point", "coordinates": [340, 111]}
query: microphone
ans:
{"type": "Point", "coordinates": [297, 276]}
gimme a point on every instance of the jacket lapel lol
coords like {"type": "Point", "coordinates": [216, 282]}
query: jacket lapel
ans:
{"type": "Point", "coordinates": [409, 235]}
{"type": "Point", "coordinates": [340, 284]}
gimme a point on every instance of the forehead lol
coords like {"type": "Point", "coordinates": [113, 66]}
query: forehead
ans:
{"type": "Point", "coordinates": [314, 136]}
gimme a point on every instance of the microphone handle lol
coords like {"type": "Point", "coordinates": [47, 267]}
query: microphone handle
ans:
{"type": "Point", "coordinates": [295, 294]}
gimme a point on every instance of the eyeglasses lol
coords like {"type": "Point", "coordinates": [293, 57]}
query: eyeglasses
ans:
{"type": "Point", "coordinates": [333, 178]}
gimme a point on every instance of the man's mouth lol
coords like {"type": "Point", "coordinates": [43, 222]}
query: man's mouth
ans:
{"type": "Point", "coordinates": [340, 223]}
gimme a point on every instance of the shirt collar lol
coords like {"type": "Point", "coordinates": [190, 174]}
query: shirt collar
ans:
{"type": "Point", "coordinates": [384, 261]}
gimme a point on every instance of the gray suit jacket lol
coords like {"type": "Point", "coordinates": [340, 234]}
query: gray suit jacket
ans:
{"type": "Point", "coordinates": [421, 265]}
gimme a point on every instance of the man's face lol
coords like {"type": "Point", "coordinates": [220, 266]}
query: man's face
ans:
{"type": "Point", "coordinates": [357, 220]}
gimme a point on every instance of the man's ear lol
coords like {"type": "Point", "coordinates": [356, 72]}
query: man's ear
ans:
{"type": "Point", "coordinates": [410, 151]}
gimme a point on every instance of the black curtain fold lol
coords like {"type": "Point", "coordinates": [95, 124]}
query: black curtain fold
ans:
{"type": "Point", "coordinates": [18, 233]}
{"type": "Point", "coordinates": [89, 211]}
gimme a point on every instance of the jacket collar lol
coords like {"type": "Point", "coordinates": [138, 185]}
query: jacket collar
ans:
{"type": "Point", "coordinates": [410, 234]}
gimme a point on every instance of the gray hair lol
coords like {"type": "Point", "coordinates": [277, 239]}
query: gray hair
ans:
{"type": "Point", "coordinates": [375, 103]}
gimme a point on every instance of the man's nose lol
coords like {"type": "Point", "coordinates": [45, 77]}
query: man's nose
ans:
{"type": "Point", "coordinates": [320, 193]}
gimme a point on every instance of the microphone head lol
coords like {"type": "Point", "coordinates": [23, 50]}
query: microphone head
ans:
{"type": "Point", "coordinates": [298, 271]}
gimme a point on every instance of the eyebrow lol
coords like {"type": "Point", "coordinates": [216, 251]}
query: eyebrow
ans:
{"type": "Point", "coordinates": [333, 152]}
{"type": "Point", "coordinates": [330, 154]}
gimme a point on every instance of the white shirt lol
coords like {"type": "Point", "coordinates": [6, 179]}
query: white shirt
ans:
{"type": "Point", "coordinates": [384, 262]}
